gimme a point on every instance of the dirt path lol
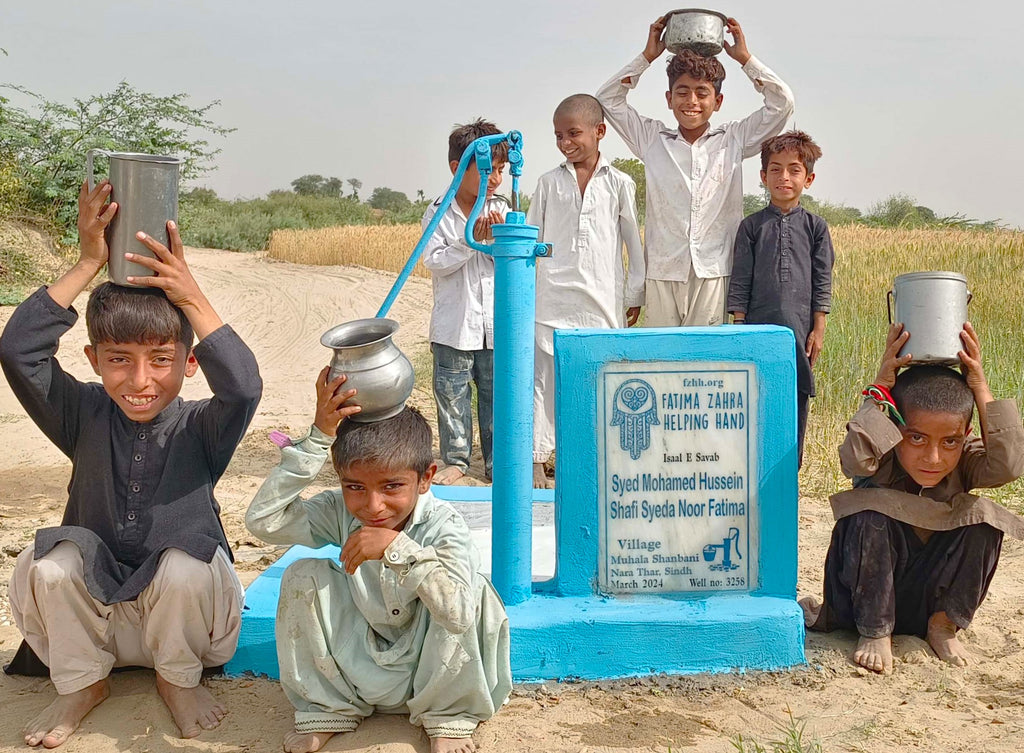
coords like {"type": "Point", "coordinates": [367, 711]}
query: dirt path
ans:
{"type": "Point", "coordinates": [281, 310]}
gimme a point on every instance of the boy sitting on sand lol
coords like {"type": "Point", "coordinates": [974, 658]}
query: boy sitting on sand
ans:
{"type": "Point", "coordinates": [913, 551]}
{"type": "Point", "coordinates": [139, 572]}
{"type": "Point", "coordinates": [405, 623]}
{"type": "Point", "coordinates": [587, 210]}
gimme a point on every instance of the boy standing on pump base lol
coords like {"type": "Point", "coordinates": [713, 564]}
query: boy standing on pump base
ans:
{"type": "Point", "coordinates": [694, 173]}
{"type": "Point", "coordinates": [913, 551]}
{"type": "Point", "coordinates": [782, 261]}
{"type": "Point", "coordinates": [139, 572]}
{"type": "Point", "coordinates": [587, 210]}
{"type": "Point", "coordinates": [462, 320]}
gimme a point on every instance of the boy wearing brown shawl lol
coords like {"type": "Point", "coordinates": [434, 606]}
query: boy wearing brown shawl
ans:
{"type": "Point", "coordinates": [913, 551]}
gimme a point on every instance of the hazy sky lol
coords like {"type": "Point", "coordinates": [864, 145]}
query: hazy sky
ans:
{"type": "Point", "coordinates": [923, 98]}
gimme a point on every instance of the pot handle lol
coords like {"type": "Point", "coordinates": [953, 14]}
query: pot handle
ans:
{"type": "Point", "coordinates": [89, 176]}
{"type": "Point", "coordinates": [970, 297]}
{"type": "Point", "coordinates": [888, 304]}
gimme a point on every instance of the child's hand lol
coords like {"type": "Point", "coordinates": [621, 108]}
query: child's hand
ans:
{"type": "Point", "coordinates": [815, 342]}
{"type": "Point", "coordinates": [94, 215]}
{"type": "Point", "coordinates": [970, 357]}
{"type": "Point", "coordinates": [655, 46]}
{"type": "Point", "coordinates": [738, 49]}
{"type": "Point", "coordinates": [329, 398]}
{"type": "Point", "coordinates": [175, 278]}
{"type": "Point", "coordinates": [632, 315]}
{"type": "Point", "coordinates": [482, 229]}
{"type": "Point", "coordinates": [895, 340]}
{"type": "Point", "coordinates": [366, 544]}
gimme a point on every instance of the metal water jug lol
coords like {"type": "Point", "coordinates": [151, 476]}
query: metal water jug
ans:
{"type": "Point", "coordinates": [376, 368]}
{"type": "Point", "coordinates": [933, 308]}
{"type": "Point", "coordinates": [702, 31]}
{"type": "Point", "coordinates": [145, 187]}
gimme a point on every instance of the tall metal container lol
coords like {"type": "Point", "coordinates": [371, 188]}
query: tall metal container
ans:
{"type": "Point", "coordinates": [145, 187]}
{"type": "Point", "coordinates": [933, 308]}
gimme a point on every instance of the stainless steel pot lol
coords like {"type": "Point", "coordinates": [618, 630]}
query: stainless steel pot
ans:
{"type": "Point", "coordinates": [702, 31]}
{"type": "Point", "coordinates": [933, 308]}
{"type": "Point", "coordinates": [145, 187]}
{"type": "Point", "coordinates": [376, 368]}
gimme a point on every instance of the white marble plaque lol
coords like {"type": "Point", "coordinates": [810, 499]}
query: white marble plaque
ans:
{"type": "Point", "coordinates": [678, 477]}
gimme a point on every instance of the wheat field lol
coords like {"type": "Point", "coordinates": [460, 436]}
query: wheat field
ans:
{"type": "Point", "coordinates": [867, 260]}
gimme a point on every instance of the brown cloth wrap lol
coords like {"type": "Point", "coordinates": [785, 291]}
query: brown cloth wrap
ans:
{"type": "Point", "coordinates": [883, 485]}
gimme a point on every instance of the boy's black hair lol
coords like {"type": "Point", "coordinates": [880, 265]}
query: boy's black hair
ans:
{"type": "Point", "coordinates": [584, 106]}
{"type": "Point", "coordinates": [117, 314]}
{"type": "Point", "coordinates": [697, 66]}
{"type": "Point", "coordinates": [933, 389]}
{"type": "Point", "coordinates": [791, 141]}
{"type": "Point", "coordinates": [464, 135]}
{"type": "Point", "coordinates": [398, 443]}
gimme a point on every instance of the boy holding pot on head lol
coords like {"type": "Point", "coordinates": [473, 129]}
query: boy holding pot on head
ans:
{"type": "Point", "coordinates": [694, 173]}
{"type": "Point", "coordinates": [462, 320]}
{"type": "Point", "coordinates": [782, 261]}
{"type": "Point", "coordinates": [587, 210]}
{"type": "Point", "coordinates": [405, 623]}
{"type": "Point", "coordinates": [139, 572]}
{"type": "Point", "coordinates": [913, 551]}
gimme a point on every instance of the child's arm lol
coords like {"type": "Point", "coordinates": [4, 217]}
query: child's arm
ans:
{"type": "Point", "coordinates": [778, 98]}
{"type": "Point", "coordinates": [538, 205]}
{"type": "Point", "coordinates": [443, 256]}
{"type": "Point", "coordinates": [277, 514]}
{"type": "Point", "coordinates": [28, 345]}
{"type": "Point", "coordinates": [741, 281]}
{"type": "Point", "coordinates": [999, 457]}
{"type": "Point", "coordinates": [870, 434]}
{"type": "Point", "coordinates": [629, 228]}
{"type": "Point", "coordinates": [636, 130]}
{"type": "Point", "coordinates": [822, 260]}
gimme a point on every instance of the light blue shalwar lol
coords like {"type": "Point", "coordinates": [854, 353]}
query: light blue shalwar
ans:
{"type": "Point", "coordinates": [420, 632]}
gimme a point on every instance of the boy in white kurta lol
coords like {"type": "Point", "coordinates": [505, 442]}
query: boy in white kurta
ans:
{"type": "Point", "coordinates": [405, 623]}
{"type": "Point", "coordinates": [587, 210]}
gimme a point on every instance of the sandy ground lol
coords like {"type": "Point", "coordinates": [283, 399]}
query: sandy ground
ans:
{"type": "Point", "coordinates": [281, 310]}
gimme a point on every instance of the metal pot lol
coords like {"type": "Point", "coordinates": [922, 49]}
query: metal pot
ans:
{"type": "Point", "coordinates": [376, 368]}
{"type": "Point", "coordinates": [702, 31]}
{"type": "Point", "coordinates": [145, 187]}
{"type": "Point", "coordinates": [933, 308]}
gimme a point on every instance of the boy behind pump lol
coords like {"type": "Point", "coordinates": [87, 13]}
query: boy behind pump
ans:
{"type": "Point", "coordinates": [462, 320]}
{"type": "Point", "coordinates": [405, 623]}
{"type": "Point", "coordinates": [694, 173]}
{"type": "Point", "coordinates": [139, 571]}
{"type": "Point", "coordinates": [587, 210]}
{"type": "Point", "coordinates": [782, 261]}
{"type": "Point", "coordinates": [913, 551]}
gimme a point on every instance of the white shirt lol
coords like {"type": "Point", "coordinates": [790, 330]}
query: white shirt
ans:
{"type": "Point", "coordinates": [694, 191]}
{"type": "Point", "coordinates": [582, 284]}
{"type": "Point", "coordinates": [463, 281]}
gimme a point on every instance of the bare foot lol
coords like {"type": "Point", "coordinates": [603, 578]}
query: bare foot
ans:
{"type": "Point", "coordinates": [452, 745]}
{"type": "Point", "coordinates": [448, 475]}
{"type": "Point", "coordinates": [540, 477]}
{"type": "Point", "coordinates": [942, 638]}
{"type": "Point", "coordinates": [193, 709]}
{"type": "Point", "coordinates": [812, 610]}
{"type": "Point", "coordinates": [298, 742]}
{"type": "Point", "coordinates": [54, 725]}
{"type": "Point", "coordinates": [874, 654]}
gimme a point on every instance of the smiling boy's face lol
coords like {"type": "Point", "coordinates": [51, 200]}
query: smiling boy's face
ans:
{"type": "Point", "coordinates": [786, 178]}
{"type": "Point", "coordinates": [577, 140]}
{"type": "Point", "coordinates": [380, 497]}
{"type": "Point", "coordinates": [932, 445]}
{"type": "Point", "coordinates": [692, 101]}
{"type": "Point", "coordinates": [142, 378]}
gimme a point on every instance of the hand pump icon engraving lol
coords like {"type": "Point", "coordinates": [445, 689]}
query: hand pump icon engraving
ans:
{"type": "Point", "coordinates": [728, 544]}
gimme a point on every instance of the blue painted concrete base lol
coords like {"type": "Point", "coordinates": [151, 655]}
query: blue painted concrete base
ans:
{"type": "Point", "coordinates": [603, 638]}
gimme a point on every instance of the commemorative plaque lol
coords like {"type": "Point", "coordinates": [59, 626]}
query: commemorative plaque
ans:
{"type": "Point", "coordinates": [678, 477]}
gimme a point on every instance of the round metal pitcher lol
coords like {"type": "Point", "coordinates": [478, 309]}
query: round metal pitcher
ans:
{"type": "Point", "coordinates": [702, 31]}
{"type": "Point", "coordinates": [145, 187]}
{"type": "Point", "coordinates": [933, 308]}
{"type": "Point", "coordinates": [376, 368]}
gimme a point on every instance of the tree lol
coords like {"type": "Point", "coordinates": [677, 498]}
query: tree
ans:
{"type": "Point", "coordinates": [388, 200]}
{"type": "Point", "coordinates": [634, 168]}
{"type": "Point", "coordinates": [48, 144]}
{"type": "Point", "coordinates": [356, 185]}
{"type": "Point", "coordinates": [317, 185]}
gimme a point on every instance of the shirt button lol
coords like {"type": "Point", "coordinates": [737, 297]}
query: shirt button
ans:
{"type": "Point", "coordinates": [396, 612]}
{"type": "Point", "coordinates": [142, 435]}
{"type": "Point", "coordinates": [393, 557]}
{"type": "Point", "coordinates": [138, 458]}
{"type": "Point", "coordinates": [135, 488]}
{"type": "Point", "coordinates": [131, 516]}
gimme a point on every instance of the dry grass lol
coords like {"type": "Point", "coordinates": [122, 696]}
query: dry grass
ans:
{"type": "Point", "coordinates": [384, 247]}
